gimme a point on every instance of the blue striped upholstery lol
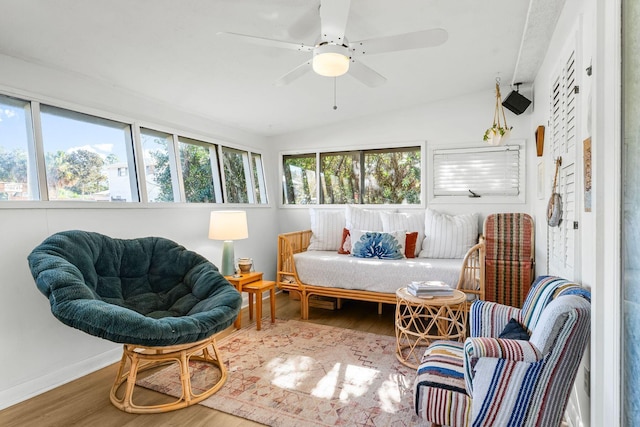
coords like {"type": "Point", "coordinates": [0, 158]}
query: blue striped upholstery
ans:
{"type": "Point", "coordinates": [509, 382]}
{"type": "Point", "coordinates": [441, 378]}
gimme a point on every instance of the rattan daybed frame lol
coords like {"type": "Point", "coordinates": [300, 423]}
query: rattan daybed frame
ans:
{"type": "Point", "coordinates": [471, 279]}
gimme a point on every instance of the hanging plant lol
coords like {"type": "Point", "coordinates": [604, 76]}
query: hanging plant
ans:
{"type": "Point", "coordinates": [499, 132]}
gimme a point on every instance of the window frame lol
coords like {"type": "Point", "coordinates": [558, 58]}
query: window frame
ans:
{"type": "Point", "coordinates": [247, 169]}
{"type": "Point", "coordinates": [421, 145]}
{"type": "Point", "coordinates": [452, 199]}
{"type": "Point", "coordinates": [213, 163]}
{"type": "Point", "coordinates": [90, 119]}
{"type": "Point", "coordinates": [37, 167]}
{"type": "Point", "coordinates": [33, 178]}
{"type": "Point", "coordinates": [257, 171]}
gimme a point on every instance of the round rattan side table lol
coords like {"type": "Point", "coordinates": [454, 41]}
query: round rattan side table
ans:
{"type": "Point", "coordinates": [420, 321]}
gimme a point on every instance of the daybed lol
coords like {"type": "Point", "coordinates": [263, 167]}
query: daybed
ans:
{"type": "Point", "coordinates": [328, 273]}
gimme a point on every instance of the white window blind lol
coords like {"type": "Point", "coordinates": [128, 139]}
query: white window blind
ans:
{"type": "Point", "coordinates": [486, 171]}
{"type": "Point", "coordinates": [564, 104]}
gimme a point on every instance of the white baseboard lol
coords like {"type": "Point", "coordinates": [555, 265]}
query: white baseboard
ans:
{"type": "Point", "coordinates": [31, 388]}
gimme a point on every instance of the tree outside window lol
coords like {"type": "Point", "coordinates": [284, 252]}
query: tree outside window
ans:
{"type": "Point", "coordinates": [83, 154]}
{"type": "Point", "coordinates": [340, 178]}
{"type": "Point", "coordinates": [392, 176]}
{"type": "Point", "coordinates": [236, 167]}
{"type": "Point", "coordinates": [197, 172]}
{"type": "Point", "coordinates": [16, 166]}
{"type": "Point", "coordinates": [299, 180]}
{"type": "Point", "coordinates": [384, 176]}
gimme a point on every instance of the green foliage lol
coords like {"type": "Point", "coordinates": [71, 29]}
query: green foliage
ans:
{"type": "Point", "coordinates": [197, 174]}
{"type": "Point", "coordinates": [111, 159]}
{"type": "Point", "coordinates": [59, 175]}
{"type": "Point", "coordinates": [387, 177]}
{"type": "Point", "coordinates": [392, 177]}
{"type": "Point", "coordinates": [86, 169]}
{"type": "Point", "coordinates": [162, 172]}
{"type": "Point", "coordinates": [299, 192]}
{"type": "Point", "coordinates": [340, 178]}
{"type": "Point", "coordinates": [13, 165]}
{"type": "Point", "coordinates": [235, 180]}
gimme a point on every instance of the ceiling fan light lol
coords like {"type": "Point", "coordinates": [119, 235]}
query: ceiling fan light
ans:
{"type": "Point", "coordinates": [330, 60]}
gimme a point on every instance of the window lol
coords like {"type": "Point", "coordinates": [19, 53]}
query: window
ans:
{"type": "Point", "coordinates": [160, 178]}
{"type": "Point", "coordinates": [392, 176]}
{"type": "Point", "coordinates": [340, 178]}
{"type": "Point", "coordinates": [487, 171]}
{"type": "Point", "coordinates": [382, 176]}
{"type": "Point", "coordinates": [17, 161]}
{"type": "Point", "coordinates": [259, 185]}
{"type": "Point", "coordinates": [236, 175]}
{"type": "Point", "coordinates": [83, 154]}
{"type": "Point", "coordinates": [198, 161]}
{"type": "Point", "coordinates": [51, 153]}
{"type": "Point", "coordinates": [299, 180]}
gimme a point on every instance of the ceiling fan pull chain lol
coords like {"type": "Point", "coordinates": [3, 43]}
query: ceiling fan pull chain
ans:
{"type": "Point", "coordinates": [335, 104]}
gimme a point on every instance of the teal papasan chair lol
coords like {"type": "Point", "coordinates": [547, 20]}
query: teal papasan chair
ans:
{"type": "Point", "coordinates": [162, 301]}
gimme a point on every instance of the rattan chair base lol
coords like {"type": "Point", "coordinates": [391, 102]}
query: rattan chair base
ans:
{"type": "Point", "coordinates": [140, 358]}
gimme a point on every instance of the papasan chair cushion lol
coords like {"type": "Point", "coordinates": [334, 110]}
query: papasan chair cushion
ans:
{"type": "Point", "coordinates": [147, 291]}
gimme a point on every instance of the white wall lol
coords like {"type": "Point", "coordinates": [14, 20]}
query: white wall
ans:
{"type": "Point", "coordinates": [596, 23]}
{"type": "Point", "coordinates": [460, 120]}
{"type": "Point", "coordinates": [44, 353]}
{"type": "Point", "coordinates": [39, 352]}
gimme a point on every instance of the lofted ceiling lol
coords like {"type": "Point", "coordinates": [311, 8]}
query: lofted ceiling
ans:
{"type": "Point", "coordinates": [168, 51]}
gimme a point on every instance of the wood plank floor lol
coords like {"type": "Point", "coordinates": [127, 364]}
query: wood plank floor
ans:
{"type": "Point", "coordinates": [85, 402]}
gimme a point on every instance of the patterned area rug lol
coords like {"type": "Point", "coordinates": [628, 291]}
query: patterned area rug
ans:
{"type": "Point", "coordinates": [294, 373]}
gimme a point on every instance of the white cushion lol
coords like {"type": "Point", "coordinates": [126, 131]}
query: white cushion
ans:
{"type": "Point", "coordinates": [326, 226]}
{"type": "Point", "coordinates": [411, 222]}
{"type": "Point", "coordinates": [363, 219]}
{"type": "Point", "coordinates": [330, 269]}
{"type": "Point", "coordinates": [448, 236]}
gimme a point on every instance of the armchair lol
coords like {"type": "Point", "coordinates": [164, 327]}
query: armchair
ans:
{"type": "Point", "coordinates": [494, 381]}
{"type": "Point", "coordinates": [163, 302]}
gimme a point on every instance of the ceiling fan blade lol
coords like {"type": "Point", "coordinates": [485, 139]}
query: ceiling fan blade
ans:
{"type": "Point", "coordinates": [306, 25]}
{"type": "Point", "coordinates": [365, 74]}
{"type": "Point", "coordinates": [294, 74]}
{"type": "Point", "coordinates": [267, 42]}
{"type": "Point", "coordinates": [415, 40]}
{"type": "Point", "coordinates": [333, 20]}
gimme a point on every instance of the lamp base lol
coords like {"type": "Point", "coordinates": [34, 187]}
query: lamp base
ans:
{"type": "Point", "coordinates": [227, 268]}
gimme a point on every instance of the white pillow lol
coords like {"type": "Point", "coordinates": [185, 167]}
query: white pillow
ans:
{"type": "Point", "coordinates": [448, 236]}
{"type": "Point", "coordinates": [326, 226]}
{"type": "Point", "coordinates": [411, 222]}
{"type": "Point", "coordinates": [363, 219]}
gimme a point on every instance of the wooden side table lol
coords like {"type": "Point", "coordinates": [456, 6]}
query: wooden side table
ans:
{"type": "Point", "coordinates": [420, 321]}
{"type": "Point", "coordinates": [239, 283]}
{"type": "Point", "coordinates": [253, 284]}
{"type": "Point", "coordinates": [258, 288]}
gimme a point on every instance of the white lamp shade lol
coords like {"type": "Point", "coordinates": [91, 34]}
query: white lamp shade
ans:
{"type": "Point", "coordinates": [330, 60]}
{"type": "Point", "coordinates": [228, 225]}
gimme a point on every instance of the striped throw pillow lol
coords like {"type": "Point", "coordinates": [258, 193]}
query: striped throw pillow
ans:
{"type": "Point", "coordinates": [363, 219]}
{"type": "Point", "coordinates": [326, 226]}
{"type": "Point", "coordinates": [448, 236]}
{"type": "Point", "coordinates": [411, 222]}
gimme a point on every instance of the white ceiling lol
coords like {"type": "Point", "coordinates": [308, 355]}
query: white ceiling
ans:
{"type": "Point", "coordinates": [168, 51]}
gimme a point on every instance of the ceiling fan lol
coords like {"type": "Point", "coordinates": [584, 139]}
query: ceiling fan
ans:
{"type": "Point", "coordinates": [334, 55]}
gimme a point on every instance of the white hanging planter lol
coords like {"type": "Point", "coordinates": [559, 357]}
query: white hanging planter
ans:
{"type": "Point", "coordinates": [498, 133]}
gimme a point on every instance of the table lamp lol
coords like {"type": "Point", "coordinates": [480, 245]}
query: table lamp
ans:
{"type": "Point", "coordinates": [228, 226]}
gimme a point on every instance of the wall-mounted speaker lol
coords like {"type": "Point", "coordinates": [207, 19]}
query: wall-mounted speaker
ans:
{"type": "Point", "coordinates": [516, 103]}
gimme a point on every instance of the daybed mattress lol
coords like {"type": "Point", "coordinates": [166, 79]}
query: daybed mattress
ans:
{"type": "Point", "coordinates": [330, 269]}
